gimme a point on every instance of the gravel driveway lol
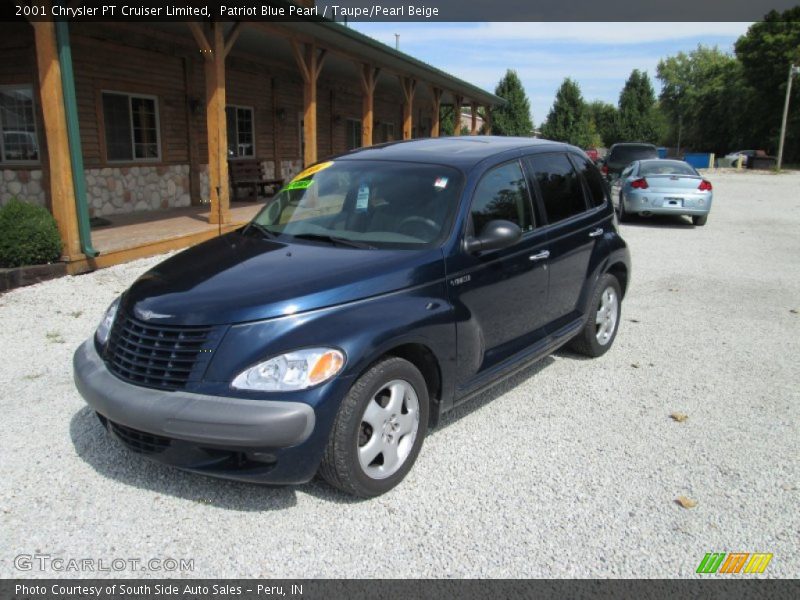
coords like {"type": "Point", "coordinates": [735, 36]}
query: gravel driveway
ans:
{"type": "Point", "coordinates": [572, 468]}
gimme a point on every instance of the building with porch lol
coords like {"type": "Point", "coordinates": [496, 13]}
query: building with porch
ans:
{"type": "Point", "coordinates": [138, 123]}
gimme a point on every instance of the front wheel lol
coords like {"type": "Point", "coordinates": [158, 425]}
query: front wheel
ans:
{"type": "Point", "coordinates": [379, 429]}
{"type": "Point", "coordinates": [605, 309]}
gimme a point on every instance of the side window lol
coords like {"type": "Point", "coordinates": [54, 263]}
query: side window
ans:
{"type": "Point", "coordinates": [559, 184]}
{"type": "Point", "coordinates": [502, 194]}
{"type": "Point", "coordinates": [594, 182]}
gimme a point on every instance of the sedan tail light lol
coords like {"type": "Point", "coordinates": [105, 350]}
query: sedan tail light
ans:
{"type": "Point", "coordinates": [705, 186]}
{"type": "Point", "coordinates": [640, 184]}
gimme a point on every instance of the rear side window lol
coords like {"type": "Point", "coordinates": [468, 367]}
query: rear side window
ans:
{"type": "Point", "coordinates": [594, 181]}
{"type": "Point", "coordinates": [502, 194]}
{"type": "Point", "coordinates": [559, 185]}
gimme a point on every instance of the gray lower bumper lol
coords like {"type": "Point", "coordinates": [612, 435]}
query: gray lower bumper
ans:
{"type": "Point", "coordinates": [216, 420]}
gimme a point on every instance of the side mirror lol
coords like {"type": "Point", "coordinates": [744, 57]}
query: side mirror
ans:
{"type": "Point", "coordinates": [495, 235]}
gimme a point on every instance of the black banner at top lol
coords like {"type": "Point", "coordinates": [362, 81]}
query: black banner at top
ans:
{"type": "Point", "coordinates": [396, 11]}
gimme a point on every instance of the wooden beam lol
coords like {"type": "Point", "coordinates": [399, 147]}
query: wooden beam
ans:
{"type": "Point", "coordinates": [437, 110]}
{"type": "Point", "coordinates": [201, 39]}
{"type": "Point", "coordinates": [232, 36]}
{"type": "Point", "coordinates": [369, 79]}
{"type": "Point", "coordinates": [309, 60]}
{"type": "Point", "coordinates": [216, 126]}
{"type": "Point", "coordinates": [473, 130]}
{"type": "Point", "coordinates": [276, 147]}
{"type": "Point", "coordinates": [192, 138]}
{"type": "Point", "coordinates": [409, 86]}
{"type": "Point", "coordinates": [51, 96]}
{"type": "Point", "coordinates": [487, 120]}
{"type": "Point", "coordinates": [457, 102]}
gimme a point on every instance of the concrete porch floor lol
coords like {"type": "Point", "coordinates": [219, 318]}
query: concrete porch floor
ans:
{"type": "Point", "coordinates": [143, 234]}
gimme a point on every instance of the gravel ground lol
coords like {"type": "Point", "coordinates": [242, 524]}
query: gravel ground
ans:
{"type": "Point", "coordinates": [570, 469]}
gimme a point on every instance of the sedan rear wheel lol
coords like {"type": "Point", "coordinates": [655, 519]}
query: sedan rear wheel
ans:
{"type": "Point", "coordinates": [700, 220]}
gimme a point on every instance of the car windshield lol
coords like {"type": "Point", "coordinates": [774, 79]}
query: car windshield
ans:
{"type": "Point", "coordinates": [665, 167]}
{"type": "Point", "coordinates": [366, 203]}
{"type": "Point", "coordinates": [628, 154]}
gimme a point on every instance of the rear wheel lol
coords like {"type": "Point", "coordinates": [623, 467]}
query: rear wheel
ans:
{"type": "Point", "coordinates": [623, 214]}
{"type": "Point", "coordinates": [699, 221]}
{"type": "Point", "coordinates": [605, 308]}
{"type": "Point", "coordinates": [379, 429]}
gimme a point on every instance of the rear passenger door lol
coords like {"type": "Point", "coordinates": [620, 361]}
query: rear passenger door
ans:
{"type": "Point", "coordinates": [569, 194]}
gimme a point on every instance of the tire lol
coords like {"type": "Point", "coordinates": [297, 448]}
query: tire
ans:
{"type": "Point", "coordinates": [699, 221]}
{"type": "Point", "coordinates": [623, 214]}
{"type": "Point", "coordinates": [597, 336]}
{"type": "Point", "coordinates": [368, 406]}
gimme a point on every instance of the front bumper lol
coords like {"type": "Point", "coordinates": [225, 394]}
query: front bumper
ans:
{"type": "Point", "coordinates": [237, 438]}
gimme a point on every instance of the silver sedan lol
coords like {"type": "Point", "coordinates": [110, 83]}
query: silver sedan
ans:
{"type": "Point", "coordinates": [664, 187]}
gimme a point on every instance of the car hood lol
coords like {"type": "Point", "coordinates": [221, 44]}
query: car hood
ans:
{"type": "Point", "coordinates": [237, 278]}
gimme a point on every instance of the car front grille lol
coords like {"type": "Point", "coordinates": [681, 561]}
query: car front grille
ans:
{"type": "Point", "coordinates": [157, 356]}
{"type": "Point", "coordinates": [139, 441]}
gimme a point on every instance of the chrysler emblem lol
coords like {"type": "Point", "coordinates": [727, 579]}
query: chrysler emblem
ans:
{"type": "Point", "coordinates": [146, 315]}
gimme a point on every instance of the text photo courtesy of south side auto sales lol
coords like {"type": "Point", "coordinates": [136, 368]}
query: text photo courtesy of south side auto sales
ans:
{"type": "Point", "coordinates": [315, 299]}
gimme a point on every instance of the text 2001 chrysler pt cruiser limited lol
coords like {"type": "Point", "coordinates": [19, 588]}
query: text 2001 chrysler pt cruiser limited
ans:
{"type": "Point", "coordinates": [375, 292]}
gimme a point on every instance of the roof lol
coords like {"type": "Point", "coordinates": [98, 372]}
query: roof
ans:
{"type": "Point", "coordinates": [458, 151]}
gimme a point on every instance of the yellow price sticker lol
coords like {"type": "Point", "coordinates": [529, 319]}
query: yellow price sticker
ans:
{"type": "Point", "coordinates": [312, 170]}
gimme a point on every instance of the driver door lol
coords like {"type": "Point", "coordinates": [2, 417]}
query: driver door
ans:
{"type": "Point", "coordinates": [499, 296]}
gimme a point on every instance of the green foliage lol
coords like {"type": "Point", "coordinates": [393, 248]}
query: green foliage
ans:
{"type": "Point", "coordinates": [446, 120]}
{"type": "Point", "coordinates": [568, 121]}
{"type": "Point", "coordinates": [28, 235]}
{"type": "Point", "coordinates": [514, 118]}
{"type": "Point", "coordinates": [765, 54]}
{"type": "Point", "coordinates": [604, 117]}
{"type": "Point", "coordinates": [705, 100]}
{"type": "Point", "coordinates": [637, 120]}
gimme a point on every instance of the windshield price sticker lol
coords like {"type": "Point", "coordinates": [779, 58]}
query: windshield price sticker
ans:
{"type": "Point", "coordinates": [362, 200]}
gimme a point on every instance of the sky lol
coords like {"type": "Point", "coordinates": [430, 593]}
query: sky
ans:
{"type": "Point", "coordinates": [599, 56]}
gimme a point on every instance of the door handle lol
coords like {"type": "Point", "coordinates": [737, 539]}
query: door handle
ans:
{"type": "Point", "coordinates": [540, 256]}
{"type": "Point", "coordinates": [596, 232]}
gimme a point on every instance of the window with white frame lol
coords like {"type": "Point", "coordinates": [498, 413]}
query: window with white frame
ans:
{"type": "Point", "coordinates": [241, 136]}
{"type": "Point", "coordinates": [18, 125]}
{"type": "Point", "coordinates": [131, 127]}
{"type": "Point", "coordinates": [353, 134]}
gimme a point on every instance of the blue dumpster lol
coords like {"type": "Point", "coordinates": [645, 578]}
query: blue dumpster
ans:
{"type": "Point", "coordinates": [699, 160]}
{"type": "Point", "coordinates": [662, 152]}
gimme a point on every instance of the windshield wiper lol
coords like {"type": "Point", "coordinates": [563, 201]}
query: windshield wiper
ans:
{"type": "Point", "coordinates": [267, 233]}
{"type": "Point", "coordinates": [334, 240]}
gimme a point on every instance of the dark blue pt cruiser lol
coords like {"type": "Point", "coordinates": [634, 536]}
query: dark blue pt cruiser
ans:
{"type": "Point", "coordinates": [374, 293]}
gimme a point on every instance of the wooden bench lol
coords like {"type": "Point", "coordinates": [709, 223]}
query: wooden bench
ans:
{"type": "Point", "coordinates": [249, 175]}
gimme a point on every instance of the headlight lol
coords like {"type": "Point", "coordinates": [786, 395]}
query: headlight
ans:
{"type": "Point", "coordinates": [296, 370]}
{"type": "Point", "coordinates": [104, 329]}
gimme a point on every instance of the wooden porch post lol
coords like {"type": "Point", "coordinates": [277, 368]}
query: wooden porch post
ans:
{"type": "Point", "coordinates": [473, 130]}
{"type": "Point", "coordinates": [409, 86]}
{"type": "Point", "coordinates": [309, 61]}
{"type": "Point", "coordinates": [457, 102]}
{"type": "Point", "coordinates": [369, 78]}
{"type": "Point", "coordinates": [487, 120]}
{"type": "Point", "coordinates": [62, 190]}
{"type": "Point", "coordinates": [214, 49]}
{"type": "Point", "coordinates": [437, 109]}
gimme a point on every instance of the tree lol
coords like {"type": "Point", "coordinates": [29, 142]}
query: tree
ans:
{"type": "Point", "coordinates": [604, 117]}
{"type": "Point", "coordinates": [637, 120]}
{"type": "Point", "coordinates": [568, 119]}
{"type": "Point", "coordinates": [765, 53]}
{"type": "Point", "coordinates": [705, 100]}
{"type": "Point", "coordinates": [514, 118]}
